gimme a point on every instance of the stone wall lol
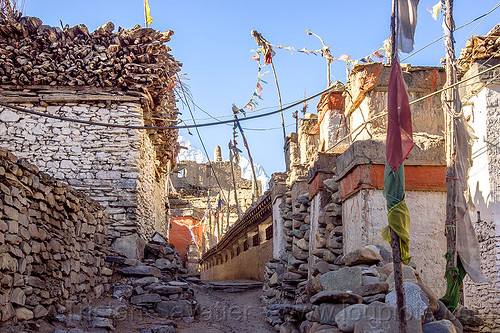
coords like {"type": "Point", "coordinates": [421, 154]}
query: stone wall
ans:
{"type": "Point", "coordinates": [252, 232]}
{"type": "Point", "coordinates": [114, 166]}
{"type": "Point", "coordinates": [197, 179]}
{"type": "Point", "coordinates": [122, 77]}
{"type": "Point", "coordinates": [52, 243]}
{"type": "Point", "coordinates": [151, 191]}
{"type": "Point", "coordinates": [195, 183]}
{"type": "Point", "coordinates": [483, 110]}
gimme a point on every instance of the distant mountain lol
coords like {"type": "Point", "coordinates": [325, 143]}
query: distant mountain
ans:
{"type": "Point", "coordinates": [246, 171]}
{"type": "Point", "coordinates": [191, 153]}
{"type": "Point", "coordinates": [194, 154]}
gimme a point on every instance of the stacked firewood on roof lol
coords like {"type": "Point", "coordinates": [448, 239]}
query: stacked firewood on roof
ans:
{"type": "Point", "coordinates": [480, 48]}
{"type": "Point", "coordinates": [135, 61]}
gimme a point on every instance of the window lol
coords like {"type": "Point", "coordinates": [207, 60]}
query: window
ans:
{"type": "Point", "coordinates": [269, 232]}
{"type": "Point", "coordinates": [255, 240]}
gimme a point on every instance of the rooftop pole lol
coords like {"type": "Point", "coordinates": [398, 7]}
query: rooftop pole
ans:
{"type": "Point", "coordinates": [451, 109]}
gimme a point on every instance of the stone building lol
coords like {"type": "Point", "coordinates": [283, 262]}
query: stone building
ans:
{"type": "Point", "coordinates": [124, 78]}
{"type": "Point", "coordinates": [360, 168]}
{"type": "Point", "coordinates": [481, 106]}
{"type": "Point", "coordinates": [328, 209]}
{"type": "Point", "coordinates": [198, 185]}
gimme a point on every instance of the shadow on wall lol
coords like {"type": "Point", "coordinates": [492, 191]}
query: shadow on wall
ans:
{"type": "Point", "coordinates": [485, 296]}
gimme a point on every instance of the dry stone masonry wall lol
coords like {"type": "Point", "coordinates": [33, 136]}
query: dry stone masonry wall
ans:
{"type": "Point", "coordinates": [126, 77]}
{"type": "Point", "coordinates": [116, 167]}
{"type": "Point", "coordinates": [134, 61]}
{"type": "Point", "coordinates": [52, 243]}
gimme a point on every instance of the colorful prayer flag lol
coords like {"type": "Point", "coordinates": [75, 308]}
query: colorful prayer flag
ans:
{"type": "Point", "coordinates": [399, 127]}
{"type": "Point", "coordinates": [435, 10]}
{"type": "Point", "coordinates": [398, 145]}
{"type": "Point", "coordinates": [147, 11]}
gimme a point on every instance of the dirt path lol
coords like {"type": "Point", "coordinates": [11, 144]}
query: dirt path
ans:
{"type": "Point", "coordinates": [228, 312]}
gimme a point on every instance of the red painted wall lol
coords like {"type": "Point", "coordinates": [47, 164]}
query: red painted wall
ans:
{"type": "Point", "coordinates": [180, 235]}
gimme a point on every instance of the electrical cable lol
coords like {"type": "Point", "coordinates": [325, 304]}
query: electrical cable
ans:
{"type": "Point", "coordinates": [204, 147]}
{"type": "Point", "coordinates": [88, 122]}
{"type": "Point", "coordinates": [383, 114]}
{"type": "Point", "coordinates": [47, 115]}
{"type": "Point", "coordinates": [460, 27]}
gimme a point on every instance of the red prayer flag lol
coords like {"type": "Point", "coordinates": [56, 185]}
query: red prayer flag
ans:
{"type": "Point", "coordinates": [399, 129]}
{"type": "Point", "coordinates": [268, 57]}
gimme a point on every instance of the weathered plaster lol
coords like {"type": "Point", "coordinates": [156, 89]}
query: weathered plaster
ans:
{"type": "Point", "coordinates": [484, 112]}
{"type": "Point", "coordinates": [278, 231]}
{"type": "Point", "coordinates": [248, 265]}
{"type": "Point", "coordinates": [365, 214]}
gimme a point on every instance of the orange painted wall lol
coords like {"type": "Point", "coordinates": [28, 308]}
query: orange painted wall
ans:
{"type": "Point", "coordinates": [180, 235]}
{"type": "Point", "coordinates": [417, 178]}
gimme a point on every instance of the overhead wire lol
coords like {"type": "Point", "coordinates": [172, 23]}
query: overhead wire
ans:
{"type": "Point", "coordinates": [203, 145]}
{"type": "Point", "coordinates": [384, 113]}
{"type": "Point", "coordinates": [226, 116]}
{"type": "Point", "coordinates": [88, 122]}
{"type": "Point", "coordinates": [48, 115]}
{"type": "Point", "coordinates": [42, 114]}
{"type": "Point", "coordinates": [363, 125]}
{"type": "Point", "coordinates": [460, 27]}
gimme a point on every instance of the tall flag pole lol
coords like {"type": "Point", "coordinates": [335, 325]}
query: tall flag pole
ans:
{"type": "Point", "coordinates": [269, 53]}
{"type": "Point", "coordinates": [238, 126]}
{"type": "Point", "coordinates": [233, 151]}
{"type": "Point", "coordinates": [398, 145]}
{"type": "Point", "coordinates": [463, 253]}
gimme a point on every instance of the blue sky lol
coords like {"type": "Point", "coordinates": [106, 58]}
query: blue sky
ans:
{"type": "Point", "coordinates": [212, 39]}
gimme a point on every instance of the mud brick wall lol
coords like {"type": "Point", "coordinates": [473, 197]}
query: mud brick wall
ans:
{"type": "Point", "coordinates": [52, 243]}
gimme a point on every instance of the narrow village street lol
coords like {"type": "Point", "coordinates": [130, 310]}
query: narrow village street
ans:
{"type": "Point", "coordinates": [228, 310]}
{"type": "Point", "coordinates": [161, 183]}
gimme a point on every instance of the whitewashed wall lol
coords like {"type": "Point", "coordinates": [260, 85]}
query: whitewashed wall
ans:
{"type": "Point", "coordinates": [364, 215]}
{"type": "Point", "coordinates": [484, 112]}
{"type": "Point", "coordinates": [114, 166]}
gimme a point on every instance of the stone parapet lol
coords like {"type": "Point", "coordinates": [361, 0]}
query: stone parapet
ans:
{"type": "Point", "coordinates": [427, 151]}
{"type": "Point", "coordinates": [367, 98]}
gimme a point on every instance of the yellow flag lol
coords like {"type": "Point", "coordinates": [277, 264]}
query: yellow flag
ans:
{"type": "Point", "coordinates": [435, 10]}
{"type": "Point", "coordinates": [149, 19]}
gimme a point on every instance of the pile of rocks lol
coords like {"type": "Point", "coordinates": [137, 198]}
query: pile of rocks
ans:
{"type": "Point", "coordinates": [153, 285]}
{"type": "Point", "coordinates": [52, 244]}
{"type": "Point", "coordinates": [288, 285]}
{"type": "Point", "coordinates": [140, 289]}
{"type": "Point", "coordinates": [360, 297]}
{"type": "Point", "coordinates": [273, 279]}
{"type": "Point", "coordinates": [297, 268]}
{"type": "Point", "coordinates": [470, 319]}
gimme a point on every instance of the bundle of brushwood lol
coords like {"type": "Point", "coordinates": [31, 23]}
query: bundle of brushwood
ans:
{"type": "Point", "coordinates": [135, 61]}
{"type": "Point", "coordinates": [480, 48]}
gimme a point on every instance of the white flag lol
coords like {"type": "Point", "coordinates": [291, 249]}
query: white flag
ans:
{"type": "Point", "coordinates": [407, 23]}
